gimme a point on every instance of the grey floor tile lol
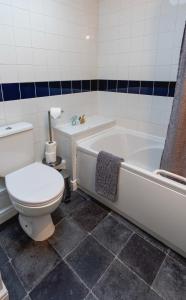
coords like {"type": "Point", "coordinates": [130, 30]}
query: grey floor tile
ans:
{"type": "Point", "coordinates": [140, 232]}
{"type": "Point", "coordinates": [13, 239]}
{"type": "Point", "coordinates": [34, 262]}
{"type": "Point", "coordinates": [3, 257]}
{"type": "Point", "coordinates": [176, 256]}
{"type": "Point", "coordinates": [142, 257]}
{"type": "Point", "coordinates": [60, 284]}
{"type": "Point", "coordinates": [13, 284]}
{"type": "Point", "coordinates": [57, 215]}
{"type": "Point", "coordinates": [90, 260]}
{"type": "Point", "coordinates": [112, 234]}
{"type": "Point", "coordinates": [120, 283]}
{"type": "Point", "coordinates": [77, 201]}
{"type": "Point", "coordinates": [171, 280]}
{"type": "Point", "coordinates": [89, 216]}
{"type": "Point", "coordinates": [67, 235]}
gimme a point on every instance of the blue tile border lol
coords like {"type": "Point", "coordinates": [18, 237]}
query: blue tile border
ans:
{"type": "Point", "coordinates": [11, 91]}
{"type": "Point", "coordinates": [27, 90]}
{"type": "Point", "coordinates": [55, 88]}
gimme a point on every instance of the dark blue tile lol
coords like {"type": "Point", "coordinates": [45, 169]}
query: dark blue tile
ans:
{"type": "Point", "coordinates": [11, 91]}
{"type": "Point", "coordinates": [146, 87]}
{"type": "Point", "coordinates": [172, 86]}
{"type": "Point", "coordinates": [161, 88]}
{"type": "Point", "coordinates": [55, 88]}
{"type": "Point", "coordinates": [66, 87]}
{"type": "Point", "coordinates": [112, 85]}
{"type": "Point", "coordinates": [42, 89]}
{"type": "Point", "coordinates": [1, 95]}
{"type": "Point", "coordinates": [76, 86]}
{"type": "Point", "coordinates": [134, 87]}
{"type": "Point", "coordinates": [85, 85]}
{"type": "Point", "coordinates": [94, 85]}
{"type": "Point", "coordinates": [27, 90]}
{"type": "Point", "coordinates": [122, 86]}
{"type": "Point", "coordinates": [102, 85]}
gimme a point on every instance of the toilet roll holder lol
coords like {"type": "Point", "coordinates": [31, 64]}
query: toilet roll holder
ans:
{"type": "Point", "coordinates": [50, 123]}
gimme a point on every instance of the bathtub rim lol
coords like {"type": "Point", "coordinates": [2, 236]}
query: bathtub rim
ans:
{"type": "Point", "coordinates": [171, 184]}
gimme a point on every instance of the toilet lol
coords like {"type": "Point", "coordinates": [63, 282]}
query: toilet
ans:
{"type": "Point", "coordinates": [35, 189]}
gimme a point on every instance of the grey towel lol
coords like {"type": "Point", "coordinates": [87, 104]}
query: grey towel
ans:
{"type": "Point", "coordinates": [107, 173]}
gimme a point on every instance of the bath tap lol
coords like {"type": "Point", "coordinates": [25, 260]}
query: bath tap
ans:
{"type": "Point", "coordinates": [82, 119]}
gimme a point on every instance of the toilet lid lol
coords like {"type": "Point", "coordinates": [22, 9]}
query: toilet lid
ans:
{"type": "Point", "coordinates": [34, 184]}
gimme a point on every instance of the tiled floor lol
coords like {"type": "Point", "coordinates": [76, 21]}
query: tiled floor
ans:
{"type": "Point", "coordinates": [94, 254]}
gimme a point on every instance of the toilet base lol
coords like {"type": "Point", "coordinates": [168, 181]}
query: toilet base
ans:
{"type": "Point", "coordinates": [38, 228]}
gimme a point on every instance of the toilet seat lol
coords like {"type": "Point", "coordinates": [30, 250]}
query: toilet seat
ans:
{"type": "Point", "coordinates": [35, 185]}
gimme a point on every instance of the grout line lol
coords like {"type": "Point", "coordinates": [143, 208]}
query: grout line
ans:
{"type": "Point", "coordinates": [71, 268]}
{"type": "Point", "coordinates": [65, 256]}
{"type": "Point", "coordinates": [160, 268]}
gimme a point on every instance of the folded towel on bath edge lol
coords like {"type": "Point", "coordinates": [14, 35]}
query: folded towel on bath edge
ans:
{"type": "Point", "coordinates": [107, 174]}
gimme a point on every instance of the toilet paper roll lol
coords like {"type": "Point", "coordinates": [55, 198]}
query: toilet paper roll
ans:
{"type": "Point", "coordinates": [50, 147]}
{"type": "Point", "coordinates": [50, 157]}
{"type": "Point", "coordinates": [55, 112]}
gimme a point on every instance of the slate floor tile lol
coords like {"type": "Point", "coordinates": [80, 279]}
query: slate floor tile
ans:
{"type": "Point", "coordinates": [3, 257]}
{"type": "Point", "coordinates": [12, 282]}
{"type": "Point", "coordinates": [13, 239]}
{"type": "Point", "coordinates": [120, 283]}
{"type": "Point", "coordinates": [90, 260]}
{"type": "Point", "coordinates": [141, 232]}
{"type": "Point", "coordinates": [34, 262]}
{"type": "Point", "coordinates": [171, 280]}
{"type": "Point", "coordinates": [57, 215]}
{"type": "Point", "coordinates": [142, 257]}
{"type": "Point", "coordinates": [89, 216]}
{"type": "Point", "coordinates": [77, 201]}
{"type": "Point", "coordinates": [176, 256]}
{"type": "Point", "coordinates": [67, 235]}
{"type": "Point", "coordinates": [112, 234]}
{"type": "Point", "coordinates": [90, 297]}
{"type": "Point", "coordinates": [60, 284]}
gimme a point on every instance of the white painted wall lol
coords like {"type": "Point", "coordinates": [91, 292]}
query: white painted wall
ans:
{"type": "Point", "coordinates": [139, 40]}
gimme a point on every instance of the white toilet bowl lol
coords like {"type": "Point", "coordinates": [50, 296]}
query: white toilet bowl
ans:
{"type": "Point", "coordinates": [35, 191]}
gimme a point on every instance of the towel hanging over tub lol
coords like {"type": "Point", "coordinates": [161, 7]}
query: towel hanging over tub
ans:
{"type": "Point", "coordinates": [107, 174]}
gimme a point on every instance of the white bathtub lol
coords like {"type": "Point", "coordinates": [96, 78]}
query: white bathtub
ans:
{"type": "Point", "coordinates": [153, 202]}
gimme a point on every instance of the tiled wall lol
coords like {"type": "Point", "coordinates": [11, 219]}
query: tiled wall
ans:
{"type": "Point", "coordinates": [139, 41]}
{"type": "Point", "coordinates": [51, 48]}
{"type": "Point", "coordinates": [44, 40]}
{"type": "Point", "coordinates": [44, 46]}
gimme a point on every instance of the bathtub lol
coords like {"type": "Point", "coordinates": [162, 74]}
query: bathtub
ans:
{"type": "Point", "coordinates": [151, 201]}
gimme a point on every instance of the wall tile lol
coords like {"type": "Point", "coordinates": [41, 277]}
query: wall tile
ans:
{"type": "Point", "coordinates": [11, 91]}
{"type": "Point", "coordinates": [86, 86]}
{"type": "Point", "coordinates": [55, 88]}
{"type": "Point", "coordinates": [66, 87]}
{"type": "Point", "coordinates": [112, 85]}
{"type": "Point", "coordinates": [146, 87]}
{"type": "Point", "coordinates": [103, 85]}
{"type": "Point", "coordinates": [172, 86]}
{"type": "Point", "coordinates": [76, 86]}
{"type": "Point", "coordinates": [134, 87]}
{"type": "Point", "coordinates": [161, 88]}
{"type": "Point", "coordinates": [122, 86]}
{"type": "Point", "coordinates": [42, 89]}
{"type": "Point", "coordinates": [27, 90]}
{"type": "Point", "coordinates": [94, 85]}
